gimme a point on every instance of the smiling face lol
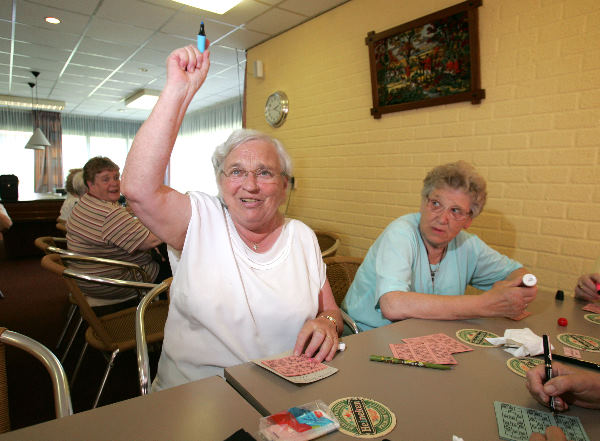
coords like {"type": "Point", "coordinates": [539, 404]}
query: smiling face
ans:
{"type": "Point", "coordinates": [106, 185]}
{"type": "Point", "coordinates": [438, 225]}
{"type": "Point", "coordinates": [253, 203]}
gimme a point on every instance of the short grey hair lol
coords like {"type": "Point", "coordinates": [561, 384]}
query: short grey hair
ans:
{"type": "Point", "coordinates": [242, 136]}
{"type": "Point", "coordinates": [458, 175]}
{"type": "Point", "coordinates": [79, 184]}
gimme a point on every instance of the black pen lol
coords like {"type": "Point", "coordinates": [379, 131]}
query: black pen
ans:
{"type": "Point", "coordinates": [577, 361]}
{"type": "Point", "coordinates": [548, 364]}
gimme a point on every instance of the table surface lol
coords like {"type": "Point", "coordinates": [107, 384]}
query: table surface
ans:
{"type": "Point", "coordinates": [429, 404]}
{"type": "Point", "coordinates": [207, 409]}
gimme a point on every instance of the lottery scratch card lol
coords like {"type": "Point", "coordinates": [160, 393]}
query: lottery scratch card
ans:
{"type": "Point", "coordinates": [592, 307]}
{"type": "Point", "coordinates": [421, 352]}
{"type": "Point", "coordinates": [441, 343]}
{"type": "Point", "coordinates": [296, 369]}
{"type": "Point", "coordinates": [517, 423]}
{"type": "Point", "coordinates": [294, 365]}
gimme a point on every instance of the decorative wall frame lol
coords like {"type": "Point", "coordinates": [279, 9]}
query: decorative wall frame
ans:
{"type": "Point", "coordinates": [428, 61]}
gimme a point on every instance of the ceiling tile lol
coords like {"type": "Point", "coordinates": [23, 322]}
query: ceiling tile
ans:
{"type": "Point", "coordinates": [187, 25]}
{"type": "Point", "coordinates": [118, 32]}
{"type": "Point", "coordinates": [243, 39]}
{"type": "Point", "coordinates": [275, 21]}
{"type": "Point", "coordinates": [42, 52]}
{"type": "Point", "coordinates": [95, 46]}
{"type": "Point", "coordinates": [81, 6]}
{"type": "Point", "coordinates": [309, 7]}
{"type": "Point", "coordinates": [168, 43]}
{"type": "Point", "coordinates": [84, 59]}
{"type": "Point", "coordinates": [36, 35]}
{"type": "Point", "coordinates": [34, 15]}
{"type": "Point", "coordinates": [136, 13]}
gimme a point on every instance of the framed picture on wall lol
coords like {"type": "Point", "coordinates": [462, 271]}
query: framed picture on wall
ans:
{"type": "Point", "coordinates": [428, 61]}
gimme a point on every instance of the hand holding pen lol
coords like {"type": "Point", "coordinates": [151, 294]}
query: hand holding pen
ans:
{"type": "Point", "coordinates": [548, 367]}
{"type": "Point", "coordinates": [569, 386]}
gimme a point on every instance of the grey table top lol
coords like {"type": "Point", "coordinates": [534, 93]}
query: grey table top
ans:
{"type": "Point", "coordinates": [207, 409]}
{"type": "Point", "coordinates": [429, 404]}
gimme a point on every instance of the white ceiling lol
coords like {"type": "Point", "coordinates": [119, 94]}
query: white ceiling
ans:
{"type": "Point", "coordinates": [105, 50]}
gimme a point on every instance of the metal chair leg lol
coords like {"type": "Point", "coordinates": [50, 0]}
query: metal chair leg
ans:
{"type": "Point", "coordinates": [70, 315]}
{"type": "Point", "coordinates": [109, 366]}
{"type": "Point", "coordinates": [78, 364]}
{"type": "Point", "coordinates": [71, 340]}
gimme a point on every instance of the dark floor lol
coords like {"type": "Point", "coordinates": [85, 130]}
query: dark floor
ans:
{"type": "Point", "coordinates": [35, 304]}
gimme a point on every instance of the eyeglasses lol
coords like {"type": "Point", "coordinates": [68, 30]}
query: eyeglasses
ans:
{"type": "Point", "coordinates": [262, 175]}
{"type": "Point", "coordinates": [456, 213]}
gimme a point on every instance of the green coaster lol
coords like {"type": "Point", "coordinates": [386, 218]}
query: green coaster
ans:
{"type": "Point", "coordinates": [363, 417]}
{"type": "Point", "coordinates": [520, 366]}
{"type": "Point", "coordinates": [582, 342]}
{"type": "Point", "coordinates": [594, 318]}
{"type": "Point", "coordinates": [476, 337]}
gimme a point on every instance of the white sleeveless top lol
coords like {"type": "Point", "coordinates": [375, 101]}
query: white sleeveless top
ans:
{"type": "Point", "coordinates": [229, 304]}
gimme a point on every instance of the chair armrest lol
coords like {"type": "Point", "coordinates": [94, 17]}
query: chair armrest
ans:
{"type": "Point", "coordinates": [134, 269]}
{"type": "Point", "coordinates": [351, 323]}
{"type": "Point", "coordinates": [106, 280]}
{"type": "Point", "coordinates": [140, 336]}
{"type": "Point", "coordinates": [62, 396]}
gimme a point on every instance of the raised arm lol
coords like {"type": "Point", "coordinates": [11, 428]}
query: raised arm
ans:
{"type": "Point", "coordinates": [163, 210]}
{"type": "Point", "coordinates": [505, 299]}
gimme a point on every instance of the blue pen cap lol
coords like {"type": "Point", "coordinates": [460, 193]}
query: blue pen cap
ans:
{"type": "Point", "coordinates": [201, 38]}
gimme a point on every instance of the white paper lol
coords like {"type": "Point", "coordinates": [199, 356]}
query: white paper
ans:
{"type": "Point", "coordinates": [520, 342]}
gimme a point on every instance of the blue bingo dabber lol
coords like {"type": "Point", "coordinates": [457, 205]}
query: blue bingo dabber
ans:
{"type": "Point", "coordinates": [201, 38]}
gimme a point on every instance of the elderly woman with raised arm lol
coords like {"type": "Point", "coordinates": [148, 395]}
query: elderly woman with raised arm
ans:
{"type": "Point", "coordinates": [248, 283]}
{"type": "Point", "coordinates": [422, 263]}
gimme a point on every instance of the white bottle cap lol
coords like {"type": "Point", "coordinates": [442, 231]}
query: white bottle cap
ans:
{"type": "Point", "coordinates": [341, 346]}
{"type": "Point", "coordinates": [529, 280]}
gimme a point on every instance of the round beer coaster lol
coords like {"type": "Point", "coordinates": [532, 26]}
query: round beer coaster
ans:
{"type": "Point", "coordinates": [362, 417]}
{"type": "Point", "coordinates": [476, 337]}
{"type": "Point", "coordinates": [594, 318]}
{"type": "Point", "coordinates": [520, 366]}
{"type": "Point", "coordinates": [582, 342]}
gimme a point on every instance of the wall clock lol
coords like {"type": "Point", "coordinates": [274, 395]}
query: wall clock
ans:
{"type": "Point", "coordinates": [276, 108]}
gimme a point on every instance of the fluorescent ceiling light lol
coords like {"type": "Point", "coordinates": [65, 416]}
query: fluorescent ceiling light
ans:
{"type": "Point", "coordinates": [142, 99]}
{"type": "Point", "coordinates": [20, 101]}
{"type": "Point", "coordinates": [216, 6]}
{"type": "Point", "coordinates": [52, 20]}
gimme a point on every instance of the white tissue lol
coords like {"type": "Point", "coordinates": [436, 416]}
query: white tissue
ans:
{"type": "Point", "coordinates": [519, 342]}
{"type": "Point", "coordinates": [457, 438]}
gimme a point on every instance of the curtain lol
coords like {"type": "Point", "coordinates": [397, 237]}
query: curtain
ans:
{"type": "Point", "coordinates": [190, 167]}
{"type": "Point", "coordinates": [95, 126]}
{"type": "Point", "coordinates": [48, 162]}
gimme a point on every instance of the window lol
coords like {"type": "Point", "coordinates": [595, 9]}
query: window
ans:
{"type": "Point", "coordinates": [74, 153]}
{"type": "Point", "coordinates": [17, 160]}
{"type": "Point", "coordinates": [191, 165]}
{"type": "Point", "coordinates": [77, 149]}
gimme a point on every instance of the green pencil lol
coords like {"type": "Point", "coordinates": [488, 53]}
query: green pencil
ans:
{"type": "Point", "coordinates": [393, 360]}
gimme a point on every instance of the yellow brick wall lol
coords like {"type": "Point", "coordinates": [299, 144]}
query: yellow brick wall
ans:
{"type": "Point", "coordinates": [535, 137]}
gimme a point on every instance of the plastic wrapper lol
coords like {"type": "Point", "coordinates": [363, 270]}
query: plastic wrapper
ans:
{"type": "Point", "coordinates": [299, 423]}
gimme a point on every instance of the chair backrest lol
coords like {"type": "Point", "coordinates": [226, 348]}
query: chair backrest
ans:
{"type": "Point", "coordinates": [328, 242]}
{"type": "Point", "coordinates": [54, 263]}
{"type": "Point", "coordinates": [340, 273]}
{"type": "Point", "coordinates": [62, 396]}
{"type": "Point", "coordinates": [140, 334]}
